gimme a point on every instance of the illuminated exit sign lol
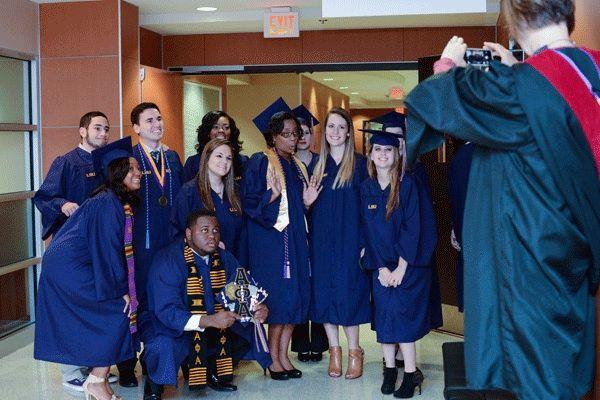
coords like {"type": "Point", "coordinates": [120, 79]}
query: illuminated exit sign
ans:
{"type": "Point", "coordinates": [281, 25]}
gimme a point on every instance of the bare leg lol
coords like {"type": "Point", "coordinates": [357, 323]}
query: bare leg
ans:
{"type": "Point", "coordinates": [333, 334]}
{"type": "Point", "coordinates": [352, 335]}
{"type": "Point", "coordinates": [274, 339]}
{"type": "Point", "coordinates": [284, 343]}
{"type": "Point", "coordinates": [409, 352]}
{"type": "Point", "coordinates": [389, 354]}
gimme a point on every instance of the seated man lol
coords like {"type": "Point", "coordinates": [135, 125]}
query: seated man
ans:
{"type": "Point", "coordinates": [186, 326]}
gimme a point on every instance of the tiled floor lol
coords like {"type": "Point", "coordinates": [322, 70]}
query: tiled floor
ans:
{"type": "Point", "coordinates": [23, 378]}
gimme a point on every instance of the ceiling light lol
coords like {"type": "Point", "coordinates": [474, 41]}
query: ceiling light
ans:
{"type": "Point", "coordinates": [354, 93]}
{"type": "Point", "coordinates": [343, 87]}
{"type": "Point", "coordinates": [206, 8]}
{"type": "Point", "coordinates": [327, 79]}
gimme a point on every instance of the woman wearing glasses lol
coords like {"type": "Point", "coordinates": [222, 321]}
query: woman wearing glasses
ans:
{"type": "Point", "coordinates": [276, 193]}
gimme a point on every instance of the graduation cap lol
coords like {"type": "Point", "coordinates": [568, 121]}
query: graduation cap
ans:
{"type": "Point", "coordinates": [262, 120]}
{"type": "Point", "coordinates": [390, 120]}
{"type": "Point", "coordinates": [303, 113]}
{"type": "Point", "coordinates": [112, 151]}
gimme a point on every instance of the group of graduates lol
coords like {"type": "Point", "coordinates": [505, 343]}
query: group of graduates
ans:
{"type": "Point", "coordinates": [139, 251]}
{"type": "Point", "coordinates": [141, 247]}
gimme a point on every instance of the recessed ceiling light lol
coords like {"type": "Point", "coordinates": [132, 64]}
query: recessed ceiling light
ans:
{"type": "Point", "coordinates": [343, 87]}
{"type": "Point", "coordinates": [327, 79]}
{"type": "Point", "coordinates": [206, 8]}
{"type": "Point", "coordinates": [354, 93]}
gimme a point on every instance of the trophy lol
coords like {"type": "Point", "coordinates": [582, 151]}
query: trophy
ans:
{"type": "Point", "coordinates": [242, 296]}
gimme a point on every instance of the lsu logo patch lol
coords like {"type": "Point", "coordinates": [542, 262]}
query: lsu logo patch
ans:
{"type": "Point", "coordinates": [90, 175]}
{"type": "Point", "coordinates": [372, 206]}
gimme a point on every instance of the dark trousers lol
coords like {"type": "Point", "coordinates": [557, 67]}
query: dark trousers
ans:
{"type": "Point", "coordinates": [309, 337]}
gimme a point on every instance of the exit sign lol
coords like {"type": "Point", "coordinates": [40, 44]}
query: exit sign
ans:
{"type": "Point", "coordinates": [281, 25]}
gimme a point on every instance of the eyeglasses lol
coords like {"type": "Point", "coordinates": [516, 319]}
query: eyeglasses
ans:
{"type": "Point", "coordinates": [286, 135]}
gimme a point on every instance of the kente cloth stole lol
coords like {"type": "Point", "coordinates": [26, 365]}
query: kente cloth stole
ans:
{"type": "Point", "coordinates": [283, 218]}
{"type": "Point", "coordinates": [198, 361]}
{"type": "Point", "coordinates": [128, 247]}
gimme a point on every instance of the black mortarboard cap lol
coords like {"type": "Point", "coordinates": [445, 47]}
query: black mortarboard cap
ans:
{"type": "Point", "coordinates": [391, 120]}
{"type": "Point", "coordinates": [302, 112]}
{"type": "Point", "coordinates": [112, 151]}
{"type": "Point", "coordinates": [262, 120]}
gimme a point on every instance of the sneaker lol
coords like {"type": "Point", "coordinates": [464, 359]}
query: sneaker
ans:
{"type": "Point", "coordinates": [74, 384]}
{"type": "Point", "coordinates": [112, 378]}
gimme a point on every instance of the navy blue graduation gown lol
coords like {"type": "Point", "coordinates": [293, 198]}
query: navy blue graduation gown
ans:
{"type": "Point", "coordinates": [151, 229]}
{"type": "Point", "coordinates": [166, 344]}
{"type": "Point", "coordinates": [192, 165]}
{"type": "Point", "coordinates": [79, 315]}
{"type": "Point", "coordinates": [232, 225]}
{"type": "Point", "coordinates": [288, 298]}
{"type": "Point", "coordinates": [427, 243]}
{"type": "Point", "coordinates": [458, 178]}
{"type": "Point", "coordinates": [340, 288]}
{"type": "Point", "coordinates": [402, 313]}
{"type": "Point", "coordinates": [71, 178]}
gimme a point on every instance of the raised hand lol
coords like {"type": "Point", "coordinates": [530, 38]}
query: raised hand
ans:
{"type": "Point", "coordinates": [274, 184]}
{"type": "Point", "coordinates": [455, 50]}
{"type": "Point", "coordinates": [311, 192]}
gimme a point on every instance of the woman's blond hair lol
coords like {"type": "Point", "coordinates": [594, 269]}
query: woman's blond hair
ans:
{"type": "Point", "coordinates": [346, 171]}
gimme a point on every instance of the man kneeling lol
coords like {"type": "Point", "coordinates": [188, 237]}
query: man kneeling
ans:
{"type": "Point", "coordinates": [185, 326]}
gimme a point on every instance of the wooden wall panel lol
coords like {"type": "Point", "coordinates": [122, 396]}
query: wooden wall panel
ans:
{"type": "Point", "coordinates": [87, 28]}
{"type": "Point", "coordinates": [131, 86]}
{"type": "Point", "coordinates": [150, 48]}
{"type": "Point", "coordinates": [183, 50]}
{"type": "Point", "coordinates": [250, 48]}
{"type": "Point", "coordinates": [421, 42]}
{"type": "Point", "coordinates": [352, 45]}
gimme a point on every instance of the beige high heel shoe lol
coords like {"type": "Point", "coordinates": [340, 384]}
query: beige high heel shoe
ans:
{"type": "Point", "coordinates": [355, 363]}
{"type": "Point", "coordinates": [95, 379]}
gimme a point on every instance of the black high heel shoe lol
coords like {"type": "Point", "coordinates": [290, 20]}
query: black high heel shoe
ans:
{"type": "Point", "coordinates": [277, 376]}
{"type": "Point", "coordinates": [294, 373]}
{"type": "Point", "coordinates": [410, 381]}
{"type": "Point", "coordinates": [304, 356]}
{"type": "Point", "coordinates": [389, 380]}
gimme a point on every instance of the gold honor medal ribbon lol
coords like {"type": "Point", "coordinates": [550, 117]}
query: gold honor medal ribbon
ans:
{"type": "Point", "coordinates": [160, 176]}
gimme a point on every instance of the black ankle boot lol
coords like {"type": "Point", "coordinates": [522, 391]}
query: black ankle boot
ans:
{"type": "Point", "coordinates": [152, 391]}
{"type": "Point", "coordinates": [389, 380]}
{"type": "Point", "coordinates": [410, 381]}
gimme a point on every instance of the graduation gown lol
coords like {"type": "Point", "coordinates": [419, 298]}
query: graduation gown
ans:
{"type": "Point", "coordinates": [427, 243]}
{"type": "Point", "coordinates": [166, 344]}
{"type": "Point", "coordinates": [340, 288]}
{"type": "Point", "coordinates": [458, 178]}
{"type": "Point", "coordinates": [79, 314]}
{"type": "Point", "coordinates": [531, 221]}
{"type": "Point", "coordinates": [232, 225]}
{"type": "Point", "coordinates": [192, 165]}
{"type": "Point", "coordinates": [402, 313]}
{"type": "Point", "coordinates": [151, 229]}
{"type": "Point", "coordinates": [71, 178]}
{"type": "Point", "coordinates": [288, 298]}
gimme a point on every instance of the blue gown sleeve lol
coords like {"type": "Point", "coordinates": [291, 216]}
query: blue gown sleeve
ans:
{"type": "Point", "coordinates": [179, 214]}
{"type": "Point", "coordinates": [167, 301]}
{"type": "Point", "coordinates": [407, 243]}
{"type": "Point", "coordinates": [105, 235]}
{"type": "Point", "coordinates": [51, 195]}
{"type": "Point", "coordinates": [473, 105]}
{"type": "Point", "coordinates": [256, 196]}
{"type": "Point", "coordinates": [190, 169]}
{"type": "Point", "coordinates": [178, 173]}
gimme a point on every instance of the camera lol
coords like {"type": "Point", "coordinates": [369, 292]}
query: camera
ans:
{"type": "Point", "coordinates": [479, 58]}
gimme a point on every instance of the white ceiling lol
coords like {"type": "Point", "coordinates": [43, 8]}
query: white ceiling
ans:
{"type": "Point", "coordinates": [178, 17]}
